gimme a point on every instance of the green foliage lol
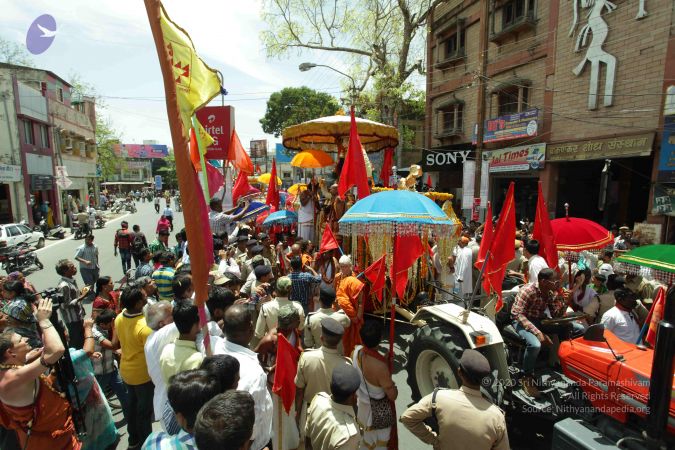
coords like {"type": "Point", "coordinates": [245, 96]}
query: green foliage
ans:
{"type": "Point", "coordinates": [292, 106]}
{"type": "Point", "coordinates": [167, 169]}
{"type": "Point", "coordinates": [13, 53]}
{"type": "Point", "coordinates": [106, 137]}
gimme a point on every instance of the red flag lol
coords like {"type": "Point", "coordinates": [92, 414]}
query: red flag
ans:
{"type": "Point", "coordinates": [388, 161]}
{"type": "Point", "coordinates": [502, 248]}
{"type": "Point", "coordinates": [194, 151]}
{"type": "Point", "coordinates": [257, 168]}
{"type": "Point", "coordinates": [429, 185]}
{"type": "Point", "coordinates": [238, 155]}
{"type": "Point", "coordinates": [406, 251]}
{"type": "Point", "coordinates": [241, 186]}
{"type": "Point", "coordinates": [284, 374]}
{"type": "Point", "coordinates": [328, 241]}
{"type": "Point", "coordinates": [544, 233]}
{"type": "Point", "coordinates": [272, 189]}
{"type": "Point", "coordinates": [375, 273]}
{"type": "Point", "coordinates": [655, 316]}
{"type": "Point", "coordinates": [214, 177]}
{"type": "Point", "coordinates": [354, 168]}
{"type": "Point", "coordinates": [486, 241]}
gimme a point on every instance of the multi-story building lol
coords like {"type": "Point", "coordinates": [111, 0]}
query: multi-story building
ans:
{"type": "Point", "coordinates": [573, 97]}
{"type": "Point", "coordinates": [135, 166]}
{"type": "Point", "coordinates": [46, 132]}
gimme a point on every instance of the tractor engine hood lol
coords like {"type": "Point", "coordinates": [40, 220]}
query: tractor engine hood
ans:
{"type": "Point", "coordinates": [616, 388]}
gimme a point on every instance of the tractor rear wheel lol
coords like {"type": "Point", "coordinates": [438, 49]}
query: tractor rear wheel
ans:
{"type": "Point", "coordinates": [433, 359]}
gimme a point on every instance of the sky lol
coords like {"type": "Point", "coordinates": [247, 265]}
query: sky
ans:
{"type": "Point", "coordinates": [108, 43]}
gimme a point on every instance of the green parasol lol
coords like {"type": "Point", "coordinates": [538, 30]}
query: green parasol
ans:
{"type": "Point", "coordinates": [661, 258]}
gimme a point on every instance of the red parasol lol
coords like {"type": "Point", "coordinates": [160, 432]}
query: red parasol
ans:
{"type": "Point", "coordinates": [574, 234]}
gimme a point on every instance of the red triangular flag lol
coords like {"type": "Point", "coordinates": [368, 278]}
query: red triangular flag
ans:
{"type": "Point", "coordinates": [354, 168]}
{"type": "Point", "coordinates": [272, 189]}
{"type": "Point", "coordinates": [241, 187]}
{"type": "Point", "coordinates": [375, 273]}
{"type": "Point", "coordinates": [429, 185]}
{"type": "Point", "coordinates": [238, 155]}
{"type": "Point", "coordinates": [214, 177]}
{"type": "Point", "coordinates": [406, 251]}
{"type": "Point", "coordinates": [502, 248]}
{"type": "Point", "coordinates": [655, 315]}
{"type": "Point", "coordinates": [486, 241]}
{"type": "Point", "coordinates": [328, 241]}
{"type": "Point", "coordinates": [543, 232]}
{"type": "Point", "coordinates": [284, 374]}
{"type": "Point", "coordinates": [194, 151]}
{"type": "Point", "coordinates": [385, 174]}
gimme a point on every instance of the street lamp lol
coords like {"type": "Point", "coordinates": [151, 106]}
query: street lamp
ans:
{"type": "Point", "coordinates": [304, 67]}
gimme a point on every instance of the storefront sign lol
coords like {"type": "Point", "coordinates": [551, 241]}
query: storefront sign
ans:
{"type": "Point", "coordinates": [647, 233]}
{"type": "Point", "coordinates": [512, 126]}
{"type": "Point", "coordinates": [667, 158]}
{"type": "Point", "coordinates": [9, 173]}
{"type": "Point", "coordinates": [141, 150]}
{"type": "Point", "coordinates": [218, 121]}
{"type": "Point", "coordinates": [435, 160]}
{"type": "Point", "coordinates": [513, 159]}
{"type": "Point", "coordinates": [664, 200]}
{"type": "Point", "coordinates": [468, 180]}
{"type": "Point", "coordinates": [475, 211]}
{"type": "Point", "coordinates": [618, 147]}
{"type": "Point", "coordinates": [41, 182]}
{"type": "Point", "coordinates": [158, 182]}
{"type": "Point", "coordinates": [284, 155]}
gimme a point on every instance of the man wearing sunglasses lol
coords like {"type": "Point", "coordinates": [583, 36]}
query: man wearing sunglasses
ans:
{"type": "Point", "coordinates": [529, 308]}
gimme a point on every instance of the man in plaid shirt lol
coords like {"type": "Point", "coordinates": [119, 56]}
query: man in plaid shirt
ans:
{"type": "Point", "coordinates": [528, 311]}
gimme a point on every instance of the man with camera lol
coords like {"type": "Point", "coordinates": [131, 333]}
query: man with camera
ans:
{"type": "Point", "coordinates": [72, 311]}
{"type": "Point", "coordinates": [23, 387]}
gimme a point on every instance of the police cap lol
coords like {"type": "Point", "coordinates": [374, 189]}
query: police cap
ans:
{"type": "Point", "coordinates": [331, 327]}
{"type": "Point", "coordinates": [474, 365]}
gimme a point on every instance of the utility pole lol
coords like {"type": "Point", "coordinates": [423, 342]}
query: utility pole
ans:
{"type": "Point", "coordinates": [482, 77]}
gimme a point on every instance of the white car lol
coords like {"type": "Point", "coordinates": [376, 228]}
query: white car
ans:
{"type": "Point", "coordinates": [18, 233]}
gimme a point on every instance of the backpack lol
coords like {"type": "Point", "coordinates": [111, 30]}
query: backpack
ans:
{"type": "Point", "coordinates": [137, 245]}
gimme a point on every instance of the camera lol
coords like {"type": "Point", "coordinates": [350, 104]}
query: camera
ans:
{"type": "Point", "coordinates": [54, 294]}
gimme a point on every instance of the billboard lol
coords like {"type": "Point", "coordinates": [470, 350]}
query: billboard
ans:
{"type": "Point", "coordinates": [283, 155]}
{"type": "Point", "coordinates": [258, 148]}
{"type": "Point", "coordinates": [513, 159]}
{"type": "Point", "coordinates": [141, 150]}
{"type": "Point", "coordinates": [218, 121]}
{"type": "Point", "coordinates": [512, 126]}
{"type": "Point", "coordinates": [667, 158]}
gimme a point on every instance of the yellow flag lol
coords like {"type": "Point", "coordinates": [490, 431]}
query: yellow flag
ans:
{"type": "Point", "coordinates": [196, 83]}
{"type": "Point", "coordinates": [203, 136]}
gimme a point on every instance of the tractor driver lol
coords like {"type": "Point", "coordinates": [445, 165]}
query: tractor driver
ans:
{"type": "Point", "coordinates": [528, 310]}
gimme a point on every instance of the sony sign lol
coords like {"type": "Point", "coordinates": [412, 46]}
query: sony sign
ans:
{"type": "Point", "coordinates": [442, 159]}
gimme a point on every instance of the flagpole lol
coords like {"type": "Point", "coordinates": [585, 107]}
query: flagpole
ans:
{"type": "Point", "coordinates": [202, 161]}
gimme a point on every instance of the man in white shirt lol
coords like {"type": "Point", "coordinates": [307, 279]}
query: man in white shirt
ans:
{"type": "Point", "coordinates": [464, 267]}
{"type": "Point", "coordinates": [621, 320]}
{"type": "Point", "coordinates": [222, 223]}
{"type": "Point", "coordinates": [159, 318]}
{"type": "Point", "coordinates": [535, 263]}
{"type": "Point", "coordinates": [238, 332]}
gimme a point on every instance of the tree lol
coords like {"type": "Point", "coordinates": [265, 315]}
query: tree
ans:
{"type": "Point", "coordinates": [13, 53]}
{"type": "Point", "coordinates": [292, 106]}
{"type": "Point", "coordinates": [382, 39]}
{"type": "Point", "coordinates": [106, 137]}
{"type": "Point", "coordinates": [167, 169]}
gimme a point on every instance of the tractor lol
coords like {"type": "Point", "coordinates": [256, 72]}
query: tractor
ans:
{"type": "Point", "coordinates": [603, 394]}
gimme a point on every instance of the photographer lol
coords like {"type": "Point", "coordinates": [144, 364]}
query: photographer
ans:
{"type": "Point", "coordinates": [72, 311]}
{"type": "Point", "coordinates": [23, 387]}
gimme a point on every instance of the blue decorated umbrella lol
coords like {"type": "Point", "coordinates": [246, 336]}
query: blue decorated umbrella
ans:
{"type": "Point", "coordinates": [254, 209]}
{"type": "Point", "coordinates": [283, 217]}
{"type": "Point", "coordinates": [398, 212]}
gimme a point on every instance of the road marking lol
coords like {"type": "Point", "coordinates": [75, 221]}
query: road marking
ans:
{"type": "Point", "coordinates": [72, 236]}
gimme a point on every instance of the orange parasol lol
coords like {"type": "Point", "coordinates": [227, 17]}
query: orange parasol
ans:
{"type": "Point", "coordinates": [312, 159]}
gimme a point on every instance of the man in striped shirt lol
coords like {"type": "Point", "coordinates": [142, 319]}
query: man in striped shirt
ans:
{"type": "Point", "coordinates": [72, 311]}
{"type": "Point", "coordinates": [163, 276]}
{"type": "Point", "coordinates": [87, 256]}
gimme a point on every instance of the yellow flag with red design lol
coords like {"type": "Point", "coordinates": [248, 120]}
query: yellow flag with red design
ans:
{"type": "Point", "coordinates": [196, 83]}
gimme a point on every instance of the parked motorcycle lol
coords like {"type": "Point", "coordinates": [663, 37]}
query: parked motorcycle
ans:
{"type": "Point", "coordinates": [19, 258]}
{"type": "Point", "coordinates": [130, 206]}
{"type": "Point", "coordinates": [80, 231]}
{"type": "Point", "coordinates": [56, 232]}
{"type": "Point", "coordinates": [118, 206]}
{"type": "Point", "coordinates": [100, 221]}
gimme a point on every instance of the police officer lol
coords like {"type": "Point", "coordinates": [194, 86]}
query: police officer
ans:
{"type": "Point", "coordinates": [315, 367]}
{"type": "Point", "coordinates": [331, 422]}
{"type": "Point", "coordinates": [313, 325]}
{"type": "Point", "coordinates": [465, 419]}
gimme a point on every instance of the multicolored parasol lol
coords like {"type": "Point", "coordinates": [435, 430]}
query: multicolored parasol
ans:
{"type": "Point", "coordinates": [254, 209]}
{"type": "Point", "coordinates": [283, 217]}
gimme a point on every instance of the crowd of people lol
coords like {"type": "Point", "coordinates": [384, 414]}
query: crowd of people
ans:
{"type": "Point", "coordinates": [211, 387]}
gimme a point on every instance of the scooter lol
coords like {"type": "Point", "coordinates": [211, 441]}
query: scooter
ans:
{"type": "Point", "coordinates": [100, 221]}
{"type": "Point", "coordinates": [54, 233]}
{"type": "Point", "coordinates": [80, 231]}
{"type": "Point", "coordinates": [20, 258]}
{"type": "Point", "coordinates": [130, 206]}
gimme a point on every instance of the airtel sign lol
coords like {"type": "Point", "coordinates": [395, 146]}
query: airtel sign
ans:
{"type": "Point", "coordinates": [218, 121]}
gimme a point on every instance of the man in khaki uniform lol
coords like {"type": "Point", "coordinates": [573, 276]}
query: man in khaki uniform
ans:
{"type": "Point", "coordinates": [465, 419]}
{"type": "Point", "coordinates": [315, 367]}
{"type": "Point", "coordinates": [313, 324]}
{"type": "Point", "coordinates": [331, 422]}
{"type": "Point", "coordinates": [269, 312]}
